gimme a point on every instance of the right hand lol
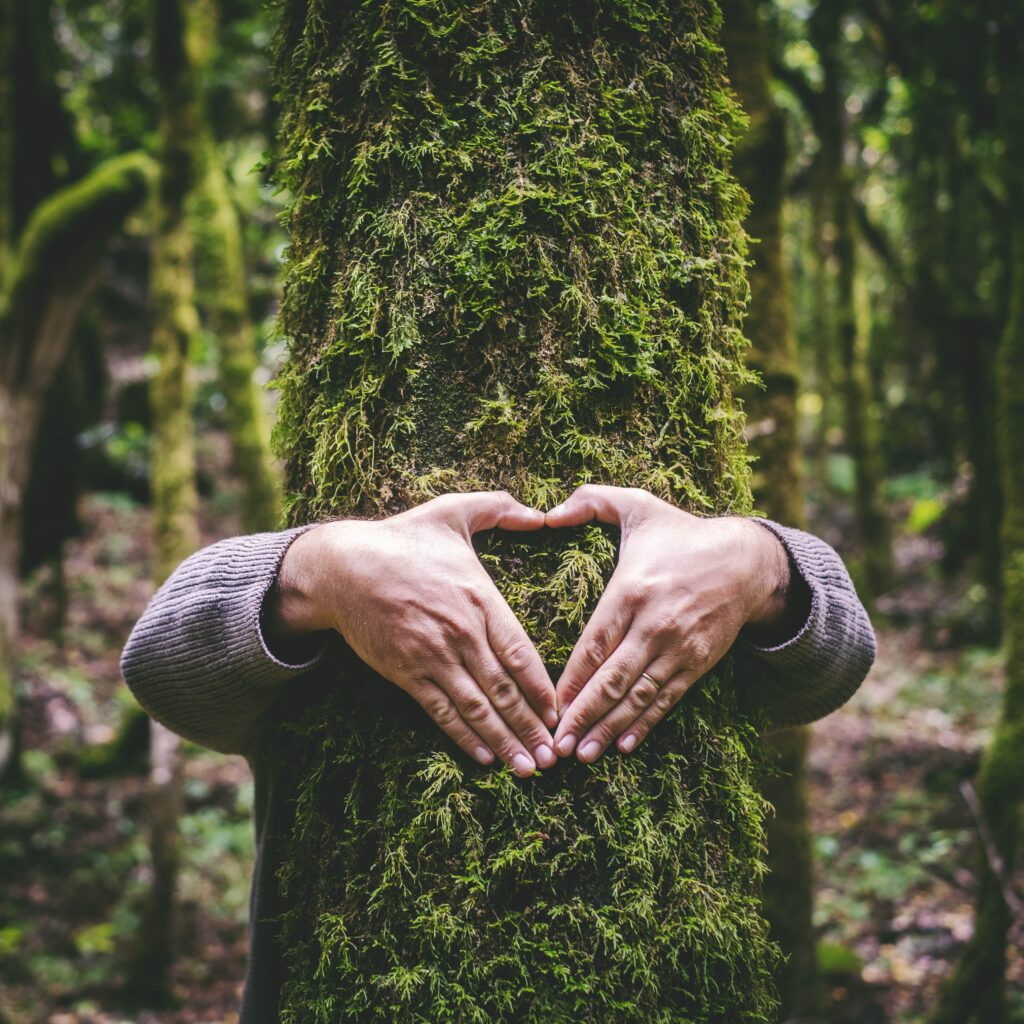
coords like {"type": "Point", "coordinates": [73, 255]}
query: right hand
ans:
{"type": "Point", "coordinates": [411, 598]}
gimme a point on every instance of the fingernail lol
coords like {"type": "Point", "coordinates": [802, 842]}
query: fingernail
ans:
{"type": "Point", "coordinates": [551, 718]}
{"type": "Point", "coordinates": [483, 755]}
{"type": "Point", "coordinates": [565, 745]}
{"type": "Point", "coordinates": [544, 756]}
{"type": "Point", "coordinates": [628, 743]}
{"type": "Point", "coordinates": [523, 765]}
{"type": "Point", "coordinates": [589, 750]}
{"type": "Point", "coordinates": [556, 510]}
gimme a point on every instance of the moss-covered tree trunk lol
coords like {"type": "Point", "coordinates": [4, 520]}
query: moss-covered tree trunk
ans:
{"type": "Point", "coordinates": [852, 331]}
{"type": "Point", "coordinates": [224, 298]}
{"type": "Point", "coordinates": [516, 262]}
{"type": "Point", "coordinates": [772, 429]}
{"type": "Point", "coordinates": [172, 462]}
{"type": "Point", "coordinates": [976, 992]}
{"type": "Point", "coordinates": [47, 280]}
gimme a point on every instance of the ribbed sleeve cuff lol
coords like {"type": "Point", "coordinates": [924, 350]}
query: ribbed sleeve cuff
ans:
{"type": "Point", "coordinates": [197, 660]}
{"type": "Point", "coordinates": [822, 665]}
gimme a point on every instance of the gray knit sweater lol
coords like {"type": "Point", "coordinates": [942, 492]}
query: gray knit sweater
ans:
{"type": "Point", "coordinates": [198, 662]}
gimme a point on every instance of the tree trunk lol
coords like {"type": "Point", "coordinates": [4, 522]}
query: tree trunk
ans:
{"type": "Point", "coordinates": [224, 297]}
{"type": "Point", "coordinates": [172, 464]}
{"type": "Point", "coordinates": [516, 262]}
{"type": "Point", "coordinates": [778, 480]}
{"type": "Point", "coordinates": [853, 326]}
{"type": "Point", "coordinates": [7, 144]}
{"type": "Point", "coordinates": [976, 992]}
{"type": "Point", "coordinates": [46, 283]}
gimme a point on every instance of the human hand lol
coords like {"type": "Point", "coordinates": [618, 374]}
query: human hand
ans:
{"type": "Point", "coordinates": [682, 590]}
{"type": "Point", "coordinates": [412, 599]}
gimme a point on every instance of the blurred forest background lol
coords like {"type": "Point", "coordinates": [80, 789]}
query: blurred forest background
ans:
{"type": "Point", "coordinates": [140, 243]}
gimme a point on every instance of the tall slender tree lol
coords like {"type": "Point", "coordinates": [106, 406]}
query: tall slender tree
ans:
{"type": "Point", "coordinates": [52, 235]}
{"type": "Point", "coordinates": [772, 428]}
{"type": "Point", "coordinates": [172, 464]}
{"type": "Point", "coordinates": [516, 262]}
{"type": "Point", "coordinates": [976, 992]}
{"type": "Point", "coordinates": [224, 298]}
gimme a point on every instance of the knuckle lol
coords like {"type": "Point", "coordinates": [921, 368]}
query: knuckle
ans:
{"type": "Point", "coordinates": [475, 708]}
{"type": "Point", "coordinates": [698, 648]}
{"type": "Point", "coordinates": [642, 693]}
{"type": "Point", "coordinates": [453, 630]}
{"type": "Point", "coordinates": [636, 593]}
{"type": "Point", "coordinates": [504, 694]}
{"type": "Point", "coordinates": [594, 649]}
{"type": "Point", "coordinates": [612, 687]}
{"type": "Point", "coordinates": [663, 702]}
{"type": "Point", "coordinates": [441, 709]}
{"type": "Point", "coordinates": [515, 655]}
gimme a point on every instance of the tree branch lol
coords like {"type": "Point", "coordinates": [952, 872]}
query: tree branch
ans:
{"type": "Point", "coordinates": [56, 257]}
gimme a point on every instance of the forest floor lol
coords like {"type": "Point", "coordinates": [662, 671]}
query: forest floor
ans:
{"type": "Point", "coordinates": [895, 844]}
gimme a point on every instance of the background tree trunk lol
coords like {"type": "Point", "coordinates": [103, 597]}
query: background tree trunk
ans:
{"type": "Point", "coordinates": [976, 992]}
{"type": "Point", "coordinates": [834, 182]}
{"type": "Point", "coordinates": [45, 284]}
{"type": "Point", "coordinates": [224, 297]}
{"type": "Point", "coordinates": [516, 262]}
{"type": "Point", "coordinates": [772, 429]}
{"type": "Point", "coordinates": [172, 463]}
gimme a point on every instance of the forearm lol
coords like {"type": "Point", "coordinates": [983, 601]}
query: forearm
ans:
{"type": "Point", "coordinates": [197, 660]}
{"type": "Point", "coordinates": [816, 663]}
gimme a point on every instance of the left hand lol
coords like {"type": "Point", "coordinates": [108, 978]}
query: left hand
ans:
{"type": "Point", "coordinates": [682, 590]}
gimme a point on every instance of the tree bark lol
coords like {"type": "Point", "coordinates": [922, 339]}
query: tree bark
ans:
{"type": "Point", "coordinates": [516, 262]}
{"type": "Point", "coordinates": [172, 464]}
{"type": "Point", "coordinates": [46, 283]}
{"type": "Point", "coordinates": [224, 297]}
{"type": "Point", "coordinates": [853, 327]}
{"type": "Point", "coordinates": [778, 480]}
{"type": "Point", "coordinates": [976, 991]}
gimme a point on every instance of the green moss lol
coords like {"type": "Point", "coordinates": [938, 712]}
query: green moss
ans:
{"type": "Point", "coordinates": [224, 299]}
{"type": "Point", "coordinates": [516, 262]}
{"type": "Point", "coordinates": [65, 233]}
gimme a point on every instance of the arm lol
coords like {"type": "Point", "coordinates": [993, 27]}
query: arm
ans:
{"type": "Point", "coordinates": [197, 660]}
{"type": "Point", "coordinates": [407, 594]}
{"type": "Point", "coordinates": [816, 663]}
{"type": "Point", "coordinates": [684, 591]}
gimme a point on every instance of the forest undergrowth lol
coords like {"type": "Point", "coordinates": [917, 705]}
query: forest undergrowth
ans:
{"type": "Point", "coordinates": [895, 842]}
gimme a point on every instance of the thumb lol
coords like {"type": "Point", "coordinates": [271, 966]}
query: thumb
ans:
{"type": "Point", "coordinates": [613, 505]}
{"type": "Point", "coordinates": [489, 510]}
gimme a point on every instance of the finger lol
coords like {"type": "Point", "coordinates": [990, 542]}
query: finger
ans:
{"type": "Point", "coordinates": [605, 689]}
{"type": "Point", "coordinates": [488, 510]}
{"type": "Point", "coordinates": [606, 504]}
{"type": "Point", "coordinates": [442, 710]}
{"type": "Point", "coordinates": [671, 693]}
{"type": "Point", "coordinates": [601, 636]}
{"type": "Point", "coordinates": [637, 700]}
{"type": "Point", "coordinates": [480, 715]}
{"type": "Point", "coordinates": [515, 651]}
{"type": "Point", "coordinates": [508, 700]}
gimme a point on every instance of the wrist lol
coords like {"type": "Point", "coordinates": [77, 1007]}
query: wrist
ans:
{"type": "Point", "coordinates": [294, 605]}
{"type": "Point", "coordinates": [771, 579]}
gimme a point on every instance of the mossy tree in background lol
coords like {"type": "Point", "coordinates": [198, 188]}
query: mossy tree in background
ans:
{"type": "Point", "coordinates": [52, 234]}
{"type": "Point", "coordinates": [846, 354]}
{"type": "Point", "coordinates": [772, 429]}
{"type": "Point", "coordinates": [516, 262]}
{"type": "Point", "coordinates": [224, 299]}
{"type": "Point", "coordinates": [976, 992]}
{"type": "Point", "coordinates": [172, 462]}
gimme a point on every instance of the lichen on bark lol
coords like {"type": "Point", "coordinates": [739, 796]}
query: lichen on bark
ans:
{"type": "Point", "coordinates": [516, 262]}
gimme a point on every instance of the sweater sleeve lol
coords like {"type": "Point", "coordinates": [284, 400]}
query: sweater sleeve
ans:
{"type": "Point", "coordinates": [822, 665]}
{"type": "Point", "coordinates": [197, 660]}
